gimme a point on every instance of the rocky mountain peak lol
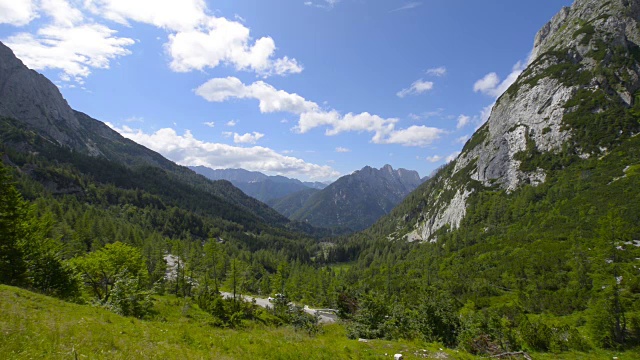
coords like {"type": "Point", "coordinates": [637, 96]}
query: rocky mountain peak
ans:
{"type": "Point", "coordinates": [615, 20]}
{"type": "Point", "coordinates": [585, 64]}
{"type": "Point", "coordinates": [30, 97]}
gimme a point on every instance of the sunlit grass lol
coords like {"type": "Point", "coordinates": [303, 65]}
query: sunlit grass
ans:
{"type": "Point", "coordinates": [33, 326]}
{"type": "Point", "coordinates": [36, 326]}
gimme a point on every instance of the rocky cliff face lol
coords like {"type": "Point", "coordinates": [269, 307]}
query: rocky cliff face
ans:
{"type": "Point", "coordinates": [585, 62]}
{"type": "Point", "coordinates": [30, 97]}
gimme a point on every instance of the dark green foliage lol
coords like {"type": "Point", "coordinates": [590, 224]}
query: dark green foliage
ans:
{"type": "Point", "coordinates": [116, 263]}
{"type": "Point", "coordinates": [28, 256]}
{"type": "Point", "coordinates": [598, 120]}
{"type": "Point", "coordinates": [129, 298]}
{"type": "Point", "coordinates": [13, 231]}
{"type": "Point", "coordinates": [478, 138]}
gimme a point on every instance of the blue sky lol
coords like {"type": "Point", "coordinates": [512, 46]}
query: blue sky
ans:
{"type": "Point", "coordinates": [306, 89]}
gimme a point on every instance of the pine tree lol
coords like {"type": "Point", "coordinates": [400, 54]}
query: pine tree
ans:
{"type": "Point", "coordinates": [13, 230]}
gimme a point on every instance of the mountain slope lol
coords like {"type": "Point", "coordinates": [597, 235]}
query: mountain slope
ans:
{"type": "Point", "coordinates": [576, 100]}
{"type": "Point", "coordinates": [256, 184]}
{"type": "Point", "coordinates": [535, 226]}
{"type": "Point", "coordinates": [36, 119]}
{"type": "Point", "coordinates": [354, 201]}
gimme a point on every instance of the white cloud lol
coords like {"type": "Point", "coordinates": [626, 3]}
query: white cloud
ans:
{"type": "Point", "coordinates": [462, 139]}
{"type": "Point", "coordinates": [209, 124]}
{"type": "Point", "coordinates": [196, 39]}
{"type": "Point", "coordinates": [187, 150]}
{"type": "Point", "coordinates": [62, 12]}
{"type": "Point", "coordinates": [491, 84]}
{"type": "Point", "coordinates": [439, 71]}
{"type": "Point", "coordinates": [463, 120]}
{"type": "Point", "coordinates": [337, 123]}
{"type": "Point", "coordinates": [310, 114]}
{"type": "Point", "coordinates": [171, 15]}
{"type": "Point", "coordinates": [323, 4]}
{"type": "Point", "coordinates": [74, 50]}
{"type": "Point", "coordinates": [413, 136]}
{"type": "Point", "coordinates": [453, 156]}
{"type": "Point", "coordinates": [131, 119]}
{"type": "Point", "coordinates": [484, 114]}
{"type": "Point", "coordinates": [223, 41]}
{"type": "Point", "coordinates": [434, 159]}
{"type": "Point", "coordinates": [408, 6]}
{"type": "Point", "coordinates": [340, 149]}
{"type": "Point", "coordinates": [17, 13]}
{"type": "Point", "coordinates": [418, 87]}
{"type": "Point", "coordinates": [427, 114]}
{"type": "Point", "coordinates": [247, 138]}
{"type": "Point", "coordinates": [271, 99]}
{"type": "Point", "coordinates": [487, 84]}
{"type": "Point", "coordinates": [232, 123]}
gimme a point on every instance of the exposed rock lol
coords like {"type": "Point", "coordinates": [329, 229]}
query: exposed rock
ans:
{"type": "Point", "coordinates": [529, 117]}
{"type": "Point", "coordinates": [30, 97]}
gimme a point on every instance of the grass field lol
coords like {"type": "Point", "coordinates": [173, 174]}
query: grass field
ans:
{"type": "Point", "coordinates": [34, 326]}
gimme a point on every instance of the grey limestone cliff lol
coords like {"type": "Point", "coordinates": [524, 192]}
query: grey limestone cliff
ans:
{"type": "Point", "coordinates": [589, 48]}
{"type": "Point", "coordinates": [30, 97]}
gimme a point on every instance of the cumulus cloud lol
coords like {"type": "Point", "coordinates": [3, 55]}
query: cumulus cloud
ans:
{"type": "Point", "coordinates": [171, 15]}
{"type": "Point", "coordinates": [187, 150]}
{"type": "Point", "coordinates": [270, 99]}
{"type": "Point", "coordinates": [74, 50]}
{"type": "Point", "coordinates": [62, 12]}
{"type": "Point", "coordinates": [196, 39]}
{"type": "Point", "coordinates": [340, 149]}
{"type": "Point", "coordinates": [337, 123]}
{"type": "Point", "coordinates": [248, 138]}
{"type": "Point", "coordinates": [434, 158]}
{"type": "Point", "coordinates": [209, 124]}
{"type": "Point", "coordinates": [418, 87]}
{"type": "Point", "coordinates": [463, 120]}
{"type": "Point", "coordinates": [224, 41]}
{"type": "Point", "coordinates": [412, 136]}
{"type": "Point", "coordinates": [439, 71]}
{"type": "Point", "coordinates": [492, 85]}
{"type": "Point", "coordinates": [17, 13]}
{"type": "Point", "coordinates": [311, 115]}
{"type": "Point", "coordinates": [232, 123]}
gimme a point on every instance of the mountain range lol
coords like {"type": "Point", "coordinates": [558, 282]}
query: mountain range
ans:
{"type": "Point", "coordinates": [257, 184]}
{"type": "Point", "coordinates": [353, 201]}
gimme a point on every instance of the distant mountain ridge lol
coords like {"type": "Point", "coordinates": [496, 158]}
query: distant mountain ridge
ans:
{"type": "Point", "coordinates": [354, 201]}
{"type": "Point", "coordinates": [256, 184]}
